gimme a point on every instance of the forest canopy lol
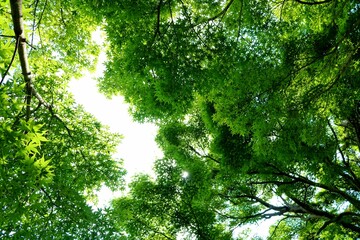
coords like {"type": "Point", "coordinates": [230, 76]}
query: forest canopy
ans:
{"type": "Point", "coordinates": [257, 104]}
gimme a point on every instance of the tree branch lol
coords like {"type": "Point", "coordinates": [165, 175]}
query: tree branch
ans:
{"type": "Point", "coordinates": [240, 15]}
{"type": "Point", "coordinates": [12, 60]}
{"type": "Point", "coordinates": [273, 182]}
{"type": "Point", "coordinates": [200, 155]}
{"type": "Point", "coordinates": [41, 15]}
{"type": "Point", "coordinates": [157, 30]}
{"type": "Point", "coordinates": [333, 189]}
{"type": "Point", "coordinates": [33, 23]}
{"type": "Point", "coordinates": [16, 13]}
{"type": "Point", "coordinates": [330, 85]}
{"type": "Point", "coordinates": [338, 219]}
{"type": "Point", "coordinates": [306, 208]}
{"type": "Point", "coordinates": [151, 228]}
{"type": "Point", "coordinates": [7, 36]}
{"type": "Point", "coordinates": [276, 227]}
{"type": "Point", "coordinates": [17, 17]}
{"type": "Point", "coordinates": [309, 209]}
{"type": "Point", "coordinates": [337, 143]}
{"type": "Point", "coordinates": [312, 3]}
{"type": "Point", "coordinates": [353, 179]}
{"type": "Point", "coordinates": [62, 17]}
{"type": "Point", "coordinates": [220, 14]}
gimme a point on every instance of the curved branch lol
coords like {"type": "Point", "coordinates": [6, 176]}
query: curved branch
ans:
{"type": "Point", "coordinates": [276, 227]}
{"type": "Point", "coordinates": [333, 189]}
{"type": "Point", "coordinates": [42, 13]}
{"type": "Point", "coordinates": [33, 23]}
{"type": "Point", "coordinates": [353, 178]}
{"type": "Point", "coordinates": [338, 219]}
{"type": "Point", "coordinates": [312, 3]}
{"type": "Point", "coordinates": [222, 13]}
{"type": "Point", "coordinates": [12, 59]}
{"type": "Point", "coordinates": [151, 228]}
{"type": "Point", "coordinates": [203, 156]}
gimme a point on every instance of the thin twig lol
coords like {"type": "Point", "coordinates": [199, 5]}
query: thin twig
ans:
{"type": "Point", "coordinates": [39, 21]}
{"type": "Point", "coordinates": [33, 23]}
{"type": "Point", "coordinates": [276, 227]}
{"type": "Point", "coordinates": [240, 16]}
{"type": "Point", "coordinates": [12, 59]}
{"type": "Point", "coordinates": [30, 45]}
{"type": "Point", "coordinates": [281, 9]}
{"type": "Point", "coordinates": [312, 3]}
{"type": "Point", "coordinates": [7, 36]}
{"type": "Point", "coordinates": [42, 13]}
{"type": "Point", "coordinates": [200, 155]}
{"type": "Point", "coordinates": [62, 17]}
{"type": "Point", "coordinates": [51, 110]}
{"type": "Point", "coordinates": [337, 143]}
{"type": "Point", "coordinates": [354, 180]}
{"type": "Point", "coordinates": [220, 14]}
{"type": "Point", "coordinates": [157, 30]}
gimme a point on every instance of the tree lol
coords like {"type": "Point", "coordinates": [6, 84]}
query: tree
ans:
{"type": "Point", "coordinates": [272, 86]}
{"type": "Point", "coordinates": [257, 102]}
{"type": "Point", "coordinates": [53, 154]}
{"type": "Point", "coordinates": [172, 206]}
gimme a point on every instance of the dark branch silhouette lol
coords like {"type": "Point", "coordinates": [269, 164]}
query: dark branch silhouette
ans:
{"type": "Point", "coordinates": [12, 60]}
{"type": "Point", "coordinates": [313, 3]}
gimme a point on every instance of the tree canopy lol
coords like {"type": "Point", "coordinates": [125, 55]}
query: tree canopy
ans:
{"type": "Point", "coordinates": [257, 103]}
{"type": "Point", "coordinates": [53, 154]}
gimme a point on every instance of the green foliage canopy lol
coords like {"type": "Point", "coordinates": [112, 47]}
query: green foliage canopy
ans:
{"type": "Point", "coordinates": [53, 154]}
{"type": "Point", "coordinates": [257, 100]}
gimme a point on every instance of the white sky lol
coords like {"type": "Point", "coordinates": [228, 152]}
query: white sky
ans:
{"type": "Point", "coordinates": [138, 148]}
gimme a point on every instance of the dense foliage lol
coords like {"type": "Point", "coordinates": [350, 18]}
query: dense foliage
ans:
{"type": "Point", "coordinates": [257, 103]}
